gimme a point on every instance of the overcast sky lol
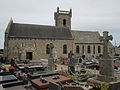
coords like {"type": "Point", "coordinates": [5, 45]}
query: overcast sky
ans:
{"type": "Point", "coordinates": [88, 15]}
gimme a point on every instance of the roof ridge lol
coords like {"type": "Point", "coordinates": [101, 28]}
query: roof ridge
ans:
{"type": "Point", "coordinates": [34, 24]}
{"type": "Point", "coordinates": [82, 31]}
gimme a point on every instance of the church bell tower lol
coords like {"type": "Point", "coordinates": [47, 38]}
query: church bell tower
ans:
{"type": "Point", "coordinates": [63, 18]}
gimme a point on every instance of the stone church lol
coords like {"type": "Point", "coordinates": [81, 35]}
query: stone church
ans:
{"type": "Point", "coordinates": [29, 41]}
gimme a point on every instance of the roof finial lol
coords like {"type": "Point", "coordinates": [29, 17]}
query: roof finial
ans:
{"type": "Point", "coordinates": [57, 9]}
{"type": "Point", "coordinates": [70, 12]}
{"type": "Point", "coordinates": [11, 19]}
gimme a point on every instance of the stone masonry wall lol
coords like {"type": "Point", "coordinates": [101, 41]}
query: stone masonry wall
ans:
{"type": "Point", "coordinates": [18, 47]}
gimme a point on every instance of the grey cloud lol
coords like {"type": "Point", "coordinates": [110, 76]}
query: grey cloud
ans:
{"type": "Point", "coordinates": [98, 15]}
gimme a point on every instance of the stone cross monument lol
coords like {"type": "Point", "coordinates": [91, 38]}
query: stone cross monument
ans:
{"type": "Point", "coordinates": [51, 65]}
{"type": "Point", "coordinates": [106, 72]}
{"type": "Point", "coordinates": [106, 63]}
{"type": "Point", "coordinates": [71, 64]}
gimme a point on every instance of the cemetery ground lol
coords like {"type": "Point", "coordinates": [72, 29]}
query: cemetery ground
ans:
{"type": "Point", "coordinates": [34, 65]}
{"type": "Point", "coordinates": [21, 76]}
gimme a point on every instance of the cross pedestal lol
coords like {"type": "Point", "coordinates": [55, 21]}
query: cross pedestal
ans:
{"type": "Point", "coordinates": [51, 65]}
{"type": "Point", "coordinates": [106, 71]}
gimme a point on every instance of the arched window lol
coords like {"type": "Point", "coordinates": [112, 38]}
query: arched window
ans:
{"type": "Point", "coordinates": [89, 50]}
{"type": "Point", "coordinates": [93, 49]}
{"type": "Point", "coordinates": [47, 49]}
{"type": "Point", "coordinates": [99, 49]}
{"type": "Point", "coordinates": [64, 49]}
{"type": "Point", "coordinates": [77, 49]}
{"type": "Point", "coordinates": [64, 22]}
{"type": "Point", "coordinates": [83, 49]}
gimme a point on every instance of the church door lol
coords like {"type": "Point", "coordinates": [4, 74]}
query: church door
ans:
{"type": "Point", "coordinates": [29, 55]}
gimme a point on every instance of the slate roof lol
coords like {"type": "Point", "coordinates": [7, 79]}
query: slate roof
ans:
{"type": "Point", "coordinates": [86, 36]}
{"type": "Point", "coordinates": [39, 31]}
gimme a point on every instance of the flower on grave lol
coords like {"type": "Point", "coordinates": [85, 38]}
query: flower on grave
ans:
{"type": "Point", "coordinates": [18, 73]}
{"type": "Point", "coordinates": [91, 83]}
{"type": "Point", "coordinates": [2, 67]}
{"type": "Point", "coordinates": [24, 76]}
{"type": "Point", "coordinates": [103, 86]}
{"type": "Point", "coordinates": [11, 67]}
{"type": "Point", "coordinates": [68, 75]}
{"type": "Point", "coordinates": [107, 86]}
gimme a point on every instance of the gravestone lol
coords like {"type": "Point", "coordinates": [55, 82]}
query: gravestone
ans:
{"type": "Point", "coordinates": [51, 65]}
{"type": "Point", "coordinates": [54, 86]}
{"type": "Point", "coordinates": [55, 54]}
{"type": "Point", "coordinates": [106, 72]}
{"type": "Point", "coordinates": [9, 81]}
{"type": "Point", "coordinates": [71, 64]}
